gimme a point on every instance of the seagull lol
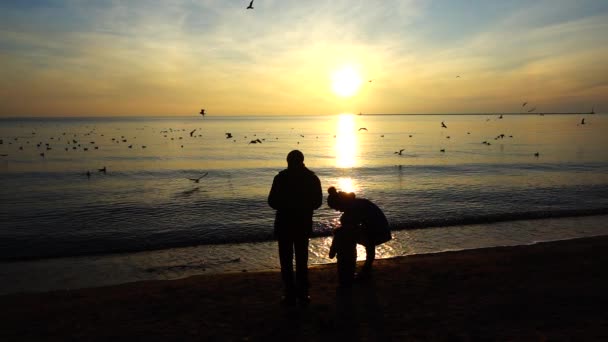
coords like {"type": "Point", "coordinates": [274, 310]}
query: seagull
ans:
{"type": "Point", "coordinates": [202, 112]}
{"type": "Point", "coordinates": [524, 104]}
{"type": "Point", "coordinates": [104, 169]}
{"type": "Point", "coordinates": [531, 110]}
{"type": "Point", "coordinates": [442, 150]}
{"type": "Point", "coordinates": [250, 5]}
{"type": "Point", "coordinates": [400, 151]}
{"type": "Point", "coordinates": [536, 154]}
{"type": "Point", "coordinates": [500, 117]}
{"type": "Point", "coordinates": [583, 121]}
{"type": "Point", "coordinates": [196, 180]}
{"type": "Point", "coordinates": [228, 135]}
{"type": "Point", "coordinates": [256, 141]}
{"type": "Point", "coordinates": [192, 133]}
{"type": "Point", "coordinates": [443, 125]}
{"type": "Point", "coordinates": [363, 129]}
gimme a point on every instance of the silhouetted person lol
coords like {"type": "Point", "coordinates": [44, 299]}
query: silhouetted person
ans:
{"type": "Point", "coordinates": [344, 246]}
{"type": "Point", "coordinates": [295, 194]}
{"type": "Point", "coordinates": [367, 218]}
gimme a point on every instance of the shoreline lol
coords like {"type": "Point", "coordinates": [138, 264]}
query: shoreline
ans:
{"type": "Point", "coordinates": [103, 270]}
{"type": "Point", "coordinates": [548, 290]}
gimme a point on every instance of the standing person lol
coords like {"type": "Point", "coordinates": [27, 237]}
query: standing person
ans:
{"type": "Point", "coordinates": [363, 214]}
{"type": "Point", "coordinates": [295, 194]}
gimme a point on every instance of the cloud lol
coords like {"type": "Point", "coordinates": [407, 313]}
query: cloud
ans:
{"type": "Point", "coordinates": [168, 57]}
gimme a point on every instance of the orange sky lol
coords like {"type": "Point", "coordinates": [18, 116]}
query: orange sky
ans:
{"type": "Point", "coordinates": [168, 58]}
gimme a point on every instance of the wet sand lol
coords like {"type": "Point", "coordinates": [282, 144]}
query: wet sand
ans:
{"type": "Point", "coordinates": [547, 291]}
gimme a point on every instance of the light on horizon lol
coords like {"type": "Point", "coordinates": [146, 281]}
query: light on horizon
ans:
{"type": "Point", "coordinates": [346, 141]}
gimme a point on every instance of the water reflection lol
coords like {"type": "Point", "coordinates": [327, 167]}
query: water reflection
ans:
{"type": "Point", "coordinates": [346, 141]}
{"type": "Point", "coordinates": [346, 184]}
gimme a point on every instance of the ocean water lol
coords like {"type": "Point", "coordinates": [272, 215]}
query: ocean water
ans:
{"type": "Point", "coordinates": [481, 169]}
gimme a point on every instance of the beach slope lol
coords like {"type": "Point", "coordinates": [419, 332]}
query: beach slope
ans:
{"type": "Point", "coordinates": [547, 291]}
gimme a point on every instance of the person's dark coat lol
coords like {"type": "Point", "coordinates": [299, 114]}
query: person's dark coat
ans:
{"type": "Point", "coordinates": [295, 194]}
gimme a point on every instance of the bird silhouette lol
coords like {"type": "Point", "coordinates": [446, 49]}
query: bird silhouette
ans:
{"type": "Point", "coordinates": [531, 110]}
{"type": "Point", "coordinates": [256, 141]}
{"type": "Point", "coordinates": [202, 112]}
{"type": "Point", "coordinates": [363, 129]}
{"type": "Point", "coordinates": [400, 151]}
{"type": "Point", "coordinates": [250, 5]}
{"type": "Point", "coordinates": [196, 180]}
{"type": "Point", "coordinates": [524, 104]}
{"type": "Point", "coordinates": [583, 121]}
{"type": "Point", "coordinates": [443, 125]}
{"type": "Point", "coordinates": [104, 169]}
{"type": "Point", "coordinates": [192, 133]}
{"type": "Point", "coordinates": [228, 135]}
{"type": "Point", "coordinates": [536, 154]}
{"type": "Point", "coordinates": [500, 117]}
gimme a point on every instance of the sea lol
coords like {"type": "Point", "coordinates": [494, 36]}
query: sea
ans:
{"type": "Point", "coordinates": [93, 201]}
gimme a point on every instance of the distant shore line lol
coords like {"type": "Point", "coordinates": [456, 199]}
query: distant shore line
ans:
{"type": "Point", "coordinates": [96, 117]}
{"type": "Point", "coordinates": [557, 113]}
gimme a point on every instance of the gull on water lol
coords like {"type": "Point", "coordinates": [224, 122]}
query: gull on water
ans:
{"type": "Point", "coordinates": [196, 180]}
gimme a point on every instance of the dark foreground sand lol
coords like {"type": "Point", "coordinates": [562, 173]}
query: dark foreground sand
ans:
{"type": "Point", "coordinates": [549, 291]}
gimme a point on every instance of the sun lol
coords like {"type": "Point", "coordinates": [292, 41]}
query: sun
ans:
{"type": "Point", "coordinates": [346, 81]}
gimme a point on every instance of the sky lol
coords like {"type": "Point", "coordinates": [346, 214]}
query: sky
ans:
{"type": "Point", "coordinates": [174, 57]}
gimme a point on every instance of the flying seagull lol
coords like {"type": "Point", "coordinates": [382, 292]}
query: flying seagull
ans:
{"type": "Point", "coordinates": [524, 104]}
{"type": "Point", "coordinates": [192, 133]}
{"type": "Point", "coordinates": [202, 112]}
{"type": "Point", "coordinates": [443, 125]}
{"type": "Point", "coordinates": [400, 151]}
{"type": "Point", "coordinates": [196, 180]}
{"type": "Point", "coordinates": [363, 129]}
{"type": "Point", "coordinates": [531, 110]}
{"type": "Point", "coordinates": [250, 5]}
{"type": "Point", "coordinates": [228, 135]}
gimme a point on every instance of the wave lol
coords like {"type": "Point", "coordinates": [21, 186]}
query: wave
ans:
{"type": "Point", "coordinates": [171, 239]}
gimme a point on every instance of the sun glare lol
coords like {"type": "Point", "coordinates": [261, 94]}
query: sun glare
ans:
{"type": "Point", "coordinates": [346, 81]}
{"type": "Point", "coordinates": [346, 141]}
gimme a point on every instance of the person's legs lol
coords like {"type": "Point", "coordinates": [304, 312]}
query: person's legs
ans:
{"type": "Point", "coordinates": [301, 251]}
{"type": "Point", "coordinates": [370, 255]}
{"type": "Point", "coordinates": [286, 261]}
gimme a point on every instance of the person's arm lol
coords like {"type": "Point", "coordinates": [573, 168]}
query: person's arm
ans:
{"type": "Point", "coordinates": [318, 194]}
{"type": "Point", "coordinates": [274, 200]}
{"type": "Point", "coordinates": [332, 249]}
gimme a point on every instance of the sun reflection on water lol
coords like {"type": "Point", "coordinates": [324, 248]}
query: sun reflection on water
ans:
{"type": "Point", "coordinates": [346, 184]}
{"type": "Point", "coordinates": [346, 141]}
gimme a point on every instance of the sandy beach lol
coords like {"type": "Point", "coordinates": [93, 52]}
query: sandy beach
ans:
{"type": "Point", "coordinates": [546, 291]}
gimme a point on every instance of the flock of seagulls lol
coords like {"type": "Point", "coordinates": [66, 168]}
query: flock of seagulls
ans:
{"type": "Point", "coordinates": [84, 142]}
